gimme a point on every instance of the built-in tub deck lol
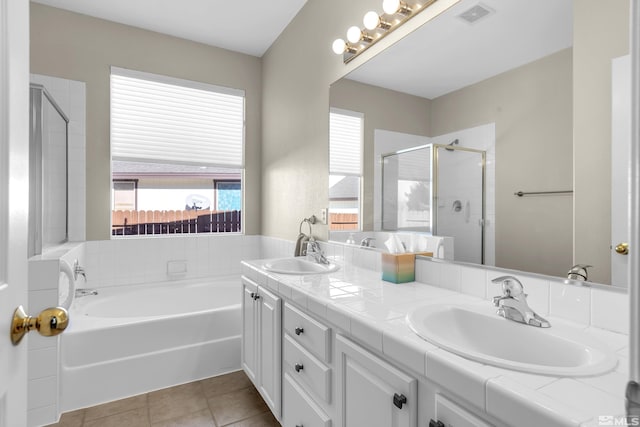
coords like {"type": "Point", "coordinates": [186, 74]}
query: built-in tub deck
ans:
{"type": "Point", "coordinates": [129, 340]}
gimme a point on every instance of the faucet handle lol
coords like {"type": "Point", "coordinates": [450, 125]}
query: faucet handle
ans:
{"type": "Point", "coordinates": [511, 286]}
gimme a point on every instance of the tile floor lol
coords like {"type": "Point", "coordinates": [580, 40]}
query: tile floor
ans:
{"type": "Point", "coordinates": [227, 400]}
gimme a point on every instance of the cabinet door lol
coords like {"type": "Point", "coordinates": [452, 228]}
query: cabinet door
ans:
{"type": "Point", "coordinates": [371, 392]}
{"type": "Point", "coordinates": [249, 328]}
{"type": "Point", "coordinates": [270, 345]}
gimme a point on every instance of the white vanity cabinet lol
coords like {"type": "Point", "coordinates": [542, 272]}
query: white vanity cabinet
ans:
{"type": "Point", "coordinates": [262, 342]}
{"type": "Point", "coordinates": [371, 392]}
{"type": "Point", "coordinates": [307, 370]}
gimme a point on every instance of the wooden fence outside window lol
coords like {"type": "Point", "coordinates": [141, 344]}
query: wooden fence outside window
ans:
{"type": "Point", "coordinates": [131, 222]}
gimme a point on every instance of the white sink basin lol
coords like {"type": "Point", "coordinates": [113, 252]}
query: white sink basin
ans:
{"type": "Point", "coordinates": [298, 266]}
{"type": "Point", "coordinates": [477, 333]}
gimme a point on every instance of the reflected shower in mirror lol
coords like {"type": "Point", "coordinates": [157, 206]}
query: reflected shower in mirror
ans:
{"type": "Point", "coordinates": [439, 190]}
{"type": "Point", "coordinates": [524, 86]}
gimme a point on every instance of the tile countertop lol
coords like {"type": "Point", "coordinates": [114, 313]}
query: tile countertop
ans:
{"type": "Point", "coordinates": [372, 311]}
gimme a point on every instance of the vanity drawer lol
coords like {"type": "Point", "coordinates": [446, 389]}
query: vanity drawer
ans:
{"type": "Point", "coordinates": [313, 335]}
{"type": "Point", "coordinates": [300, 409]}
{"type": "Point", "coordinates": [305, 368]}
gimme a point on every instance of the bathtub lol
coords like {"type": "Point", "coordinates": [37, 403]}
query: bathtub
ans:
{"type": "Point", "coordinates": [129, 340]}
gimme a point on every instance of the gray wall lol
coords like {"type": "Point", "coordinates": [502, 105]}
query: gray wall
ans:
{"type": "Point", "coordinates": [297, 72]}
{"type": "Point", "coordinates": [532, 109]}
{"type": "Point", "coordinates": [78, 47]}
{"type": "Point", "coordinates": [600, 33]}
{"type": "Point", "coordinates": [383, 109]}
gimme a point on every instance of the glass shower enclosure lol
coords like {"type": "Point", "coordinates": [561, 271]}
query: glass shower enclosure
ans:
{"type": "Point", "coordinates": [48, 172]}
{"type": "Point", "coordinates": [439, 190]}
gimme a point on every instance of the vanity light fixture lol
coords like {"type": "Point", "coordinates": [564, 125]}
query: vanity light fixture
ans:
{"type": "Point", "coordinates": [340, 47]}
{"type": "Point", "coordinates": [372, 21]}
{"type": "Point", "coordinates": [377, 26]}
{"type": "Point", "coordinates": [391, 7]}
{"type": "Point", "coordinates": [355, 35]}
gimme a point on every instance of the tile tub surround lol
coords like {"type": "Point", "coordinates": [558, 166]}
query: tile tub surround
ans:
{"type": "Point", "coordinates": [43, 352]}
{"type": "Point", "coordinates": [360, 305]}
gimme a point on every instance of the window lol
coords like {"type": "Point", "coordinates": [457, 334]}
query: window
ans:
{"type": "Point", "coordinates": [345, 169]}
{"type": "Point", "coordinates": [177, 150]}
{"type": "Point", "coordinates": [124, 194]}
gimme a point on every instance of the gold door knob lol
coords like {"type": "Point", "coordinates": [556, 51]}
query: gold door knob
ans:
{"type": "Point", "coordinates": [622, 248]}
{"type": "Point", "coordinates": [50, 322]}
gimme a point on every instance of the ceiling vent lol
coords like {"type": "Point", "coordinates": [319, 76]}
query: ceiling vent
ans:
{"type": "Point", "coordinates": [476, 13]}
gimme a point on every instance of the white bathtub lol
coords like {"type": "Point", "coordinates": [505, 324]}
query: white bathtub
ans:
{"type": "Point", "coordinates": [129, 340]}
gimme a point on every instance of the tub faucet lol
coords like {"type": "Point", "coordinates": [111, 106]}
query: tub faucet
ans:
{"type": "Point", "coordinates": [315, 253]}
{"type": "Point", "coordinates": [78, 270]}
{"type": "Point", "coordinates": [578, 272]}
{"type": "Point", "coordinates": [367, 242]}
{"type": "Point", "coordinates": [512, 304]}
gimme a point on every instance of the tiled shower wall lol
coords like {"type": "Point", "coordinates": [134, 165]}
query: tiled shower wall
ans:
{"type": "Point", "coordinates": [43, 353]}
{"type": "Point", "coordinates": [70, 96]}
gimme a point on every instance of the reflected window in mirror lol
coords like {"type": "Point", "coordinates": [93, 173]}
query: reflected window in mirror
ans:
{"type": "Point", "coordinates": [345, 169]}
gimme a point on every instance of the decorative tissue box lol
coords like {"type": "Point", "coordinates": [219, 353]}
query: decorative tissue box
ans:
{"type": "Point", "coordinates": [400, 268]}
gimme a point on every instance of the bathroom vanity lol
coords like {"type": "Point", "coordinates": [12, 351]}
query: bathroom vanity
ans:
{"type": "Point", "coordinates": [335, 349]}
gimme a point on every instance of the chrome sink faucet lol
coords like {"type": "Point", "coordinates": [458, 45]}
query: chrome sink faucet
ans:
{"type": "Point", "coordinates": [512, 304]}
{"type": "Point", "coordinates": [368, 242]}
{"type": "Point", "coordinates": [314, 252]}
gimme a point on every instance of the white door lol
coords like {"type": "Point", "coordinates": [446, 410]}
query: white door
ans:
{"type": "Point", "coordinates": [620, 167]}
{"type": "Point", "coordinates": [14, 201]}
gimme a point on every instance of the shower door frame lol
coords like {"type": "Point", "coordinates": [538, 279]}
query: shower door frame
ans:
{"type": "Point", "coordinates": [36, 107]}
{"type": "Point", "coordinates": [436, 188]}
{"type": "Point", "coordinates": [403, 151]}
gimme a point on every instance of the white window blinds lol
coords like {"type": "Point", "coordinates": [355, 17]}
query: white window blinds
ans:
{"type": "Point", "coordinates": [345, 142]}
{"type": "Point", "coordinates": [165, 120]}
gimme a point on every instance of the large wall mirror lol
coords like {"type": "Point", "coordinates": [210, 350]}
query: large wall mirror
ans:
{"type": "Point", "coordinates": [533, 86]}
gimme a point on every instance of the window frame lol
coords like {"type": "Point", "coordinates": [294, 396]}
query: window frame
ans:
{"type": "Point", "coordinates": [361, 117]}
{"type": "Point", "coordinates": [192, 85]}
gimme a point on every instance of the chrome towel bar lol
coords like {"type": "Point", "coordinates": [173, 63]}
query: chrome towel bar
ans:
{"type": "Point", "coordinates": [525, 193]}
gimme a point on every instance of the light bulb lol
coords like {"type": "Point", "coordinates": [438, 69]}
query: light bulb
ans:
{"type": "Point", "coordinates": [354, 34]}
{"type": "Point", "coordinates": [371, 20]}
{"type": "Point", "coordinates": [390, 6]}
{"type": "Point", "coordinates": [338, 46]}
